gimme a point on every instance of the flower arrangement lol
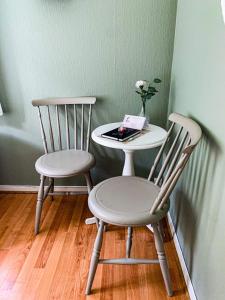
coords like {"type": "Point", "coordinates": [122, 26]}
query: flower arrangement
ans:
{"type": "Point", "coordinates": [146, 90]}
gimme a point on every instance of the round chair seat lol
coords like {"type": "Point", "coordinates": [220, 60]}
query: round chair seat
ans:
{"type": "Point", "coordinates": [64, 163]}
{"type": "Point", "coordinates": [125, 201]}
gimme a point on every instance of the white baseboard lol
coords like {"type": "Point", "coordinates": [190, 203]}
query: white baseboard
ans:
{"type": "Point", "coordinates": [34, 188]}
{"type": "Point", "coordinates": [182, 261]}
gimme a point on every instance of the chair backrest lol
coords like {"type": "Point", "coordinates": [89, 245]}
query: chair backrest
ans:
{"type": "Point", "coordinates": [187, 135]}
{"type": "Point", "coordinates": [69, 115]}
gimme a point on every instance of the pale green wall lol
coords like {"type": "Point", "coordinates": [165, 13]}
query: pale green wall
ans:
{"type": "Point", "coordinates": [73, 48]}
{"type": "Point", "coordinates": [198, 90]}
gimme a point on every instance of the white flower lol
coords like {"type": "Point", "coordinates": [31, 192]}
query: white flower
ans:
{"type": "Point", "coordinates": [141, 83]}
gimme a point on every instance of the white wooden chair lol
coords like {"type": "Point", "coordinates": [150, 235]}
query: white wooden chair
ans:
{"type": "Point", "coordinates": [67, 155]}
{"type": "Point", "coordinates": [134, 201]}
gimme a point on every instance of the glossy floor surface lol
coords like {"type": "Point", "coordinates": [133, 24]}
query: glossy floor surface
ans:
{"type": "Point", "coordinates": [54, 264]}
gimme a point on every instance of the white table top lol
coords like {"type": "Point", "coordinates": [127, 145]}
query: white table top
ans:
{"type": "Point", "coordinates": [153, 137]}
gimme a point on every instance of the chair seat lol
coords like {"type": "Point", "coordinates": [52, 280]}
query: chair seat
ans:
{"type": "Point", "coordinates": [64, 163]}
{"type": "Point", "coordinates": [125, 201]}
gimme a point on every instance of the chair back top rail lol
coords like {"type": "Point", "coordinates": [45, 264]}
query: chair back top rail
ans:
{"type": "Point", "coordinates": [63, 101]}
{"type": "Point", "coordinates": [190, 126]}
{"type": "Point", "coordinates": [186, 138]}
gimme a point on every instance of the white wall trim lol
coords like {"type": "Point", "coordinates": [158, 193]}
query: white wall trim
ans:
{"type": "Point", "coordinates": [34, 188]}
{"type": "Point", "coordinates": [187, 278]}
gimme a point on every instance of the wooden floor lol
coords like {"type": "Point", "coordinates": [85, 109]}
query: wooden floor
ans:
{"type": "Point", "coordinates": [54, 265]}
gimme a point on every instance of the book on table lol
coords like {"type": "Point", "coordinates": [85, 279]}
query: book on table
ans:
{"type": "Point", "coordinates": [121, 134]}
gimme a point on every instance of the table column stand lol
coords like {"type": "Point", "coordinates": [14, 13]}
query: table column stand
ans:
{"type": "Point", "coordinates": [128, 168]}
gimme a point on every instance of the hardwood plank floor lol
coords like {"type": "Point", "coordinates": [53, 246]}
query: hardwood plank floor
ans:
{"type": "Point", "coordinates": [54, 264]}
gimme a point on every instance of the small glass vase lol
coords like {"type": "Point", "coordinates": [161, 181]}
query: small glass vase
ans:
{"type": "Point", "coordinates": [143, 113]}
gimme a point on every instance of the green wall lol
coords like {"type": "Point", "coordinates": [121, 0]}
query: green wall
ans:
{"type": "Point", "coordinates": [74, 48]}
{"type": "Point", "coordinates": [198, 90]}
{"type": "Point", "coordinates": [101, 47]}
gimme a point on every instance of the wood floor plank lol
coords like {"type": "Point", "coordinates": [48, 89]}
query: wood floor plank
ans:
{"type": "Point", "coordinates": [8, 214]}
{"type": "Point", "coordinates": [59, 280]}
{"type": "Point", "coordinates": [119, 274]}
{"type": "Point", "coordinates": [15, 223]}
{"type": "Point", "coordinates": [5, 204]}
{"type": "Point", "coordinates": [61, 219]}
{"type": "Point", "coordinates": [55, 263]}
{"type": "Point", "coordinates": [37, 245]}
{"type": "Point", "coordinates": [18, 243]}
{"type": "Point", "coordinates": [50, 268]}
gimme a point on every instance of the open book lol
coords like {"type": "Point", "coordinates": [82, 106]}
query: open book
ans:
{"type": "Point", "coordinates": [121, 134]}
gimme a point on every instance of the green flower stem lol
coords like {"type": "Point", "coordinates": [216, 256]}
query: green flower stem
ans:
{"type": "Point", "coordinates": [143, 105]}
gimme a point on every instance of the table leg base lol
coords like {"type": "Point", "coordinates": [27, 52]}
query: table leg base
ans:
{"type": "Point", "coordinates": [150, 227]}
{"type": "Point", "coordinates": [90, 221]}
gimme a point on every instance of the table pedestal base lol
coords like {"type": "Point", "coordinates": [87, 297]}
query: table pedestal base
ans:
{"type": "Point", "coordinates": [128, 168]}
{"type": "Point", "coordinates": [150, 227]}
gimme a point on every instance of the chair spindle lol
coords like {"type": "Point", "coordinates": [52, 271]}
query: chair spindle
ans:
{"type": "Point", "coordinates": [157, 159]}
{"type": "Point", "coordinates": [175, 158]}
{"type": "Point", "coordinates": [82, 128]}
{"type": "Point", "coordinates": [89, 128]}
{"type": "Point", "coordinates": [75, 125]}
{"type": "Point", "coordinates": [168, 186]}
{"type": "Point", "coordinates": [173, 180]}
{"type": "Point", "coordinates": [67, 128]}
{"type": "Point", "coordinates": [50, 130]}
{"type": "Point", "coordinates": [42, 131]}
{"type": "Point", "coordinates": [168, 157]}
{"type": "Point", "coordinates": [59, 128]}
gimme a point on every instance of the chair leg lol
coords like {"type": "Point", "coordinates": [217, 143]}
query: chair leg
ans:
{"type": "Point", "coordinates": [161, 230]}
{"type": "Point", "coordinates": [97, 222]}
{"type": "Point", "coordinates": [89, 181]}
{"type": "Point", "coordinates": [39, 204]}
{"type": "Point", "coordinates": [162, 260]}
{"type": "Point", "coordinates": [129, 241]}
{"type": "Point", "coordinates": [95, 257]}
{"type": "Point", "coordinates": [52, 181]}
{"type": "Point", "coordinates": [90, 186]}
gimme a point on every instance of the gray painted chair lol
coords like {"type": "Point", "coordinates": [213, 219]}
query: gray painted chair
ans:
{"type": "Point", "coordinates": [133, 201]}
{"type": "Point", "coordinates": [67, 155]}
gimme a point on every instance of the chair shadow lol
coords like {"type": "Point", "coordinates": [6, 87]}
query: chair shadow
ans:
{"type": "Point", "coordinates": [11, 91]}
{"type": "Point", "coordinates": [18, 165]}
{"type": "Point", "coordinates": [193, 193]}
{"type": "Point", "coordinates": [135, 282]}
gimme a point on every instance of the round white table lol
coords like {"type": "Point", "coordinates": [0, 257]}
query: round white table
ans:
{"type": "Point", "coordinates": [151, 137]}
